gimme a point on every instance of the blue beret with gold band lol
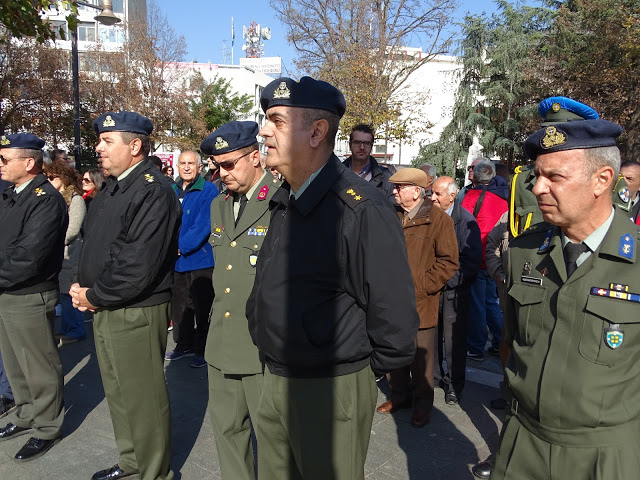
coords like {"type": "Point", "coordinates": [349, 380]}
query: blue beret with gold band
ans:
{"type": "Point", "coordinates": [307, 93]}
{"type": "Point", "coordinates": [22, 140]}
{"type": "Point", "coordinates": [578, 126]}
{"type": "Point", "coordinates": [230, 137]}
{"type": "Point", "coordinates": [122, 122]}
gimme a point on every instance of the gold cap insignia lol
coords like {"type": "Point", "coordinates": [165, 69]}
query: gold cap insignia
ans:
{"type": "Point", "coordinates": [108, 122]}
{"type": "Point", "coordinates": [148, 177]}
{"type": "Point", "coordinates": [282, 91]}
{"type": "Point", "coordinates": [553, 138]}
{"type": "Point", "coordinates": [221, 143]}
{"type": "Point", "coordinates": [5, 141]}
{"type": "Point", "coordinates": [555, 107]}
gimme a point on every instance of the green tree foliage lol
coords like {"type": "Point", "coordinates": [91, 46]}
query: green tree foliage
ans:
{"type": "Point", "coordinates": [592, 54]}
{"type": "Point", "coordinates": [22, 17]}
{"type": "Point", "coordinates": [497, 97]}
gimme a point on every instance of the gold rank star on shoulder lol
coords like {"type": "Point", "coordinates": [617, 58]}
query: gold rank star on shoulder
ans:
{"type": "Point", "coordinates": [39, 192]}
{"type": "Point", "coordinates": [148, 177]}
{"type": "Point", "coordinates": [352, 192]}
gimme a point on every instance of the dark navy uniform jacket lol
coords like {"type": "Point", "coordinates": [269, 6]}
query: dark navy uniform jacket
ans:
{"type": "Point", "coordinates": [131, 241]}
{"type": "Point", "coordinates": [33, 225]}
{"type": "Point", "coordinates": [333, 290]}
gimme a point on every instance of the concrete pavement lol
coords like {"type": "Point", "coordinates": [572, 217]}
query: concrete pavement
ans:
{"type": "Point", "coordinates": [457, 437]}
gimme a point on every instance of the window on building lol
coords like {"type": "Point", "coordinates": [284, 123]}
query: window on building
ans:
{"type": "Point", "coordinates": [118, 6]}
{"type": "Point", "coordinates": [382, 149]}
{"type": "Point", "coordinates": [59, 25]}
{"type": "Point", "coordinates": [111, 34]}
{"type": "Point", "coordinates": [87, 32]}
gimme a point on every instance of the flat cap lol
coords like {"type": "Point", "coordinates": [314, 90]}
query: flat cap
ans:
{"type": "Point", "coordinates": [22, 140]}
{"type": "Point", "coordinates": [410, 176]}
{"type": "Point", "coordinates": [307, 93]}
{"type": "Point", "coordinates": [230, 137]}
{"type": "Point", "coordinates": [569, 125]}
{"type": "Point", "coordinates": [123, 122]}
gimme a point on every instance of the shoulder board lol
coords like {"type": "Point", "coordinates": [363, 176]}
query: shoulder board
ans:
{"type": "Point", "coordinates": [39, 192]}
{"type": "Point", "coordinates": [352, 196]}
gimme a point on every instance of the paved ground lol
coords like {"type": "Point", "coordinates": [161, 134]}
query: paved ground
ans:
{"type": "Point", "coordinates": [457, 437]}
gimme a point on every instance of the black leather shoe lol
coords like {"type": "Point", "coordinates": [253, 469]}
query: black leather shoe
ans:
{"type": "Point", "coordinates": [34, 448]}
{"type": "Point", "coordinates": [450, 398]}
{"type": "Point", "coordinates": [112, 473]}
{"type": "Point", "coordinates": [6, 405]}
{"type": "Point", "coordinates": [11, 431]}
{"type": "Point", "coordinates": [482, 469]}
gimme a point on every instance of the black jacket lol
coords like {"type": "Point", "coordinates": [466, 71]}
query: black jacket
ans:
{"type": "Point", "coordinates": [469, 248]}
{"type": "Point", "coordinates": [379, 178]}
{"type": "Point", "coordinates": [34, 223]}
{"type": "Point", "coordinates": [333, 290]}
{"type": "Point", "coordinates": [131, 241]}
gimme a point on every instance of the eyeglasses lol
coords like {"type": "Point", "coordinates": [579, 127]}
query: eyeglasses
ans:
{"type": "Point", "coordinates": [227, 164]}
{"type": "Point", "coordinates": [398, 187]}
{"type": "Point", "coordinates": [5, 161]}
{"type": "Point", "coordinates": [361, 143]}
{"type": "Point", "coordinates": [86, 180]}
{"type": "Point", "coordinates": [52, 177]}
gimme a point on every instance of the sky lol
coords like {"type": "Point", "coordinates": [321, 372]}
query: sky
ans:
{"type": "Point", "coordinates": [206, 26]}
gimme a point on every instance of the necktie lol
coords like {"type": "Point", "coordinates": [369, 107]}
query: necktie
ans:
{"type": "Point", "coordinates": [243, 203]}
{"type": "Point", "coordinates": [571, 253]}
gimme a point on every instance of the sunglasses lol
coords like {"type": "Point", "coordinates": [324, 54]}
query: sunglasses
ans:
{"type": "Point", "coordinates": [5, 161]}
{"type": "Point", "coordinates": [227, 164]}
{"type": "Point", "coordinates": [52, 177]}
{"type": "Point", "coordinates": [86, 180]}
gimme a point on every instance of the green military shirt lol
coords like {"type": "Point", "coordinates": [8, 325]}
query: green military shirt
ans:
{"type": "Point", "coordinates": [575, 343]}
{"type": "Point", "coordinates": [235, 250]}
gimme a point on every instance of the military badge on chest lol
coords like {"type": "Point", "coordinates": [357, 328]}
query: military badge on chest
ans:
{"type": "Point", "coordinates": [613, 336]}
{"type": "Point", "coordinates": [253, 256]}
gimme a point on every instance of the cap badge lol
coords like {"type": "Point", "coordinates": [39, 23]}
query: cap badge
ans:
{"type": "Point", "coordinates": [221, 143]}
{"type": "Point", "coordinates": [553, 138]}
{"type": "Point", "coordinates": [108, 122]}
{"type": "Point", "coordinates": [282, 91]}
{"type": "Point", "coordinates": [5, 141]}
{"type": "Point", "coordinates": [555, 107]}
{"type": "Point", "coordinates": [148, 177]}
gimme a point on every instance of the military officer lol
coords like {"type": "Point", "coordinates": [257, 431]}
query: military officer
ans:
{"type": "Point", "coordinates": [239, 222]}
{"type": "Point", "coordinates": [333, 302]}
{"type": "Point", "coordinates": [573, 312]}
{"type": "Point", "coordinates": [34, 220]}
{"type": "Point", "coordinates": [125, 276]}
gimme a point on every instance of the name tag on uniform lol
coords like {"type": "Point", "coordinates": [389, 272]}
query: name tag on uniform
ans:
{"type": "Point", "coordinates": [532, 280]}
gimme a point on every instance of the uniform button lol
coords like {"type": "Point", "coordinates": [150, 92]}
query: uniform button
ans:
{"type": "Point", "coordinates": [227, 314]}
{"type": "Point", "coordinates": [233, 244]}
{"type": "Point", "coordinates": [255, 246]}
{"type": "Point", "coordinates": [227, 290]}
{"type": "Point", "coordinates": [229, 267]}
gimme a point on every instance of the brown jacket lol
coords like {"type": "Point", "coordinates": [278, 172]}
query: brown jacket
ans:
{"type": "Point", "coordinates": [433, 257]}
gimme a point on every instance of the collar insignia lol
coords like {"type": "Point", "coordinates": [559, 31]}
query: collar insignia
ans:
{"type": "Point", "coordinates": [221, 143]}
{"type": "Point", "coordinates": [5, 141]}
{"type": "Point", "coordinates": [108, 122]}
{"type": "Point", "coordinates": [39, 192]}
{"type": "Point", "coordinates": [282, 91]}
{"type": "Point", "coordinates": [148, 177]}
{"type": "Point", "coordinates": [546, 242]}
{"type": "Point", "coordinates": [623, 193]}
{"type": "Point", "coordinates": [263, 193]}
{"type": "Point", "coordinates": [552, 138]}
{"type": "Point", "coordinates": [625, 249]}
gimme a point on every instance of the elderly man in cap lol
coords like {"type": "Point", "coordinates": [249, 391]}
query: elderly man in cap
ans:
{"type": "Point", "coordinates": [333, 303]}
{"type": "Point", "coordinates": [433, 257]}
{"type": "Point", "coordinates": [34, 221]}
{"type": "Point", "coordinates": [572, 319]}
{"type": "Point", "coordinates": [125, 277]}
{"type": "Point", "coordinates": [239, 222]}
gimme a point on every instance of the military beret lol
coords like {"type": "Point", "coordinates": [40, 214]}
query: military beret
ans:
{"type": "Point", "coordinates": [307, 93]}
{"type": "Point", "coordinates": [122, 122]}
{"type": "Point", "coordinates": [410, 176]}
{"type": "Point", "coordinates": [230, 137]}
{"type": "Point", "coordinates": [22, 140]}
{"type": "Point", "coordinates": [564, 109]}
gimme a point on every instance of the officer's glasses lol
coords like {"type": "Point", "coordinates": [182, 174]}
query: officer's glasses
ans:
{"type": "Point", "coordinates": [5, 160]}
{"type": "Point", "coordinates": [226, 164]}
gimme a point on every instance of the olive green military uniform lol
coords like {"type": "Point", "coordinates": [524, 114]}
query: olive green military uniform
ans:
{"type": "Point", "coordinates": [574, 369]}
{"type": "Point", "coordinates": [235, 368]}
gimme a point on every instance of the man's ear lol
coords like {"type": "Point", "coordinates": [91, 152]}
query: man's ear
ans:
{"type": "Point", "coordinates": [136, 147]}
{"type": "Point", "coordinates": [254, 158]}
{"type": "Point", "coordinates": [319, 132]}
{"type": "Point", "coordinates": [603, 181]}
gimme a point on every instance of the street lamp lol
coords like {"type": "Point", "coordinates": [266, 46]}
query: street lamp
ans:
{"type": "Point", "coordinates": [105, 17]}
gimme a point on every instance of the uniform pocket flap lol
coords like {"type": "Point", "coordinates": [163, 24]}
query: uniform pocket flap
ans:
{"type": "Point", "coordinates": [527, 294]}
{"type": "Point", "coordinates": [614, 310]}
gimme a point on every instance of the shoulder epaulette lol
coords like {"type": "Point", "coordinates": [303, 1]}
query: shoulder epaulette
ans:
{"type": "Point", "coordinates": [352, 196]}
